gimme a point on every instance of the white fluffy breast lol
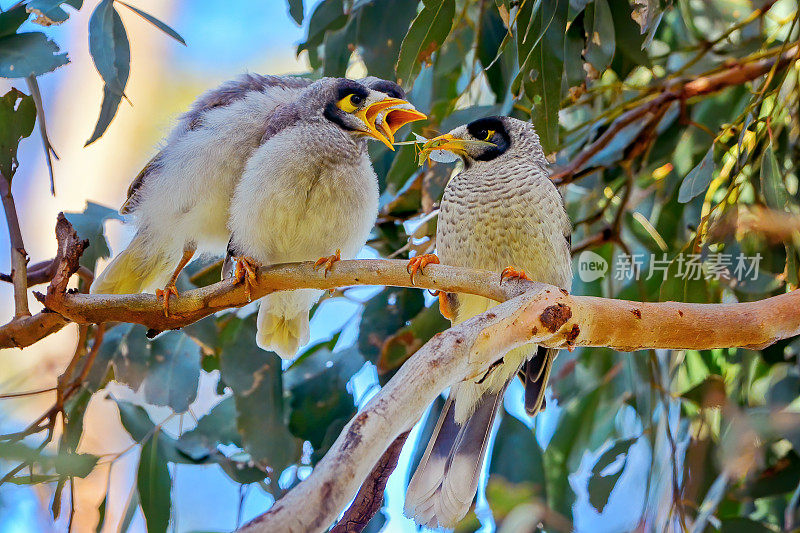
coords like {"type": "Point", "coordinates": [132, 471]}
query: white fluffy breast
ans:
{"type": "Point", "coordinates": [305, 193]}
{"type": "Point", "coordinates": [187, 198]}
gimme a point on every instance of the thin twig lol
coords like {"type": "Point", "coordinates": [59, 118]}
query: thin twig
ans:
{"type": "Point", "coordinates": [19, 258]}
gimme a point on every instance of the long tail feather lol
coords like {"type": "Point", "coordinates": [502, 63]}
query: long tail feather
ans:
{"type": "Point", "coordinates": [537, 374]}
{"type": "Point", "coordinates": [444, 485]}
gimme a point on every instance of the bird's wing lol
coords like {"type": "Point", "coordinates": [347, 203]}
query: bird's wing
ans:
{"type": "Point", "coordinates": [137, 183]}
{"type": "Point", "coordinates": [234, 90]}
{"type": "Point", "coordinates": [222, 96]}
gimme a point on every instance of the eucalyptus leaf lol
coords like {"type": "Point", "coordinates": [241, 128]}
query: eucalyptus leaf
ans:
{"type": "Point", "coordinates": [427, 33]}
{"type": "Point", "coordinates": [698, 180]}
{"type": "Point", "coordinates": [18, 115]}
{"type": "Point", "coordinates": [29, 54]}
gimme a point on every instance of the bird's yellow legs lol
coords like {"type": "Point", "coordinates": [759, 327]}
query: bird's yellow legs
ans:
{"type": "Point", "coordinates": [328, 261]}
{"type": "Point", "coordinates": [512, 273]}
{"type": "Point", "coordinates": [170, 288]}
{"type": "Point", "coordinates": [246, 272]}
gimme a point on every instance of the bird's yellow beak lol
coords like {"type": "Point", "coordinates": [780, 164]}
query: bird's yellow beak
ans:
{"type": "Point", "coordinates": [396, 118]}
{"type": "Point", "coordinates": [370, 114]}
{"type": "Point", "coordinates": [450, 143]}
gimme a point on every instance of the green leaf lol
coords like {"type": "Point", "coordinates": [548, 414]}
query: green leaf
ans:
{"type": "Point", "coordinates": [427, 33]}
{"type": "Point", "coordinates": [338, 51]}
{"type": "Point", "coordinates": [11, 20]}
{"type": "Point", "coordinates": [407, 340]}
{"type": "Point", "coordinates": [296, 11]}
{"type": "Point", "coordinates": [173, 371]}
{"type": "Point", "coordinates": [698, 179]}
{"type": "Point", "coordinates": [111, 53]}
{"type": "Point", "coordinates": [154, 484]}
{"type": "Point", "coordinates": [67, 464]}
{"type": "Point", "coordinates": [542, 72]}
{"type": "Point", "coordinates": [108, 110]}
{"type": "Point", "coordinates": [383, 315]}
{"type": "Point", "coordinates": [574, 43]}
{"type": "Point", "coordinates": [74, 409]}
{"type": "Point", "coordinates": [629, 41]}
{"type": "Point", "coordinates": [17, 115]}
{"type": "Point", "coordinates": [327, 16]}
{"type": "Point", "coordinates": [772, 186]}
{"type": "Point", "coordinates": [109, 46]}
{"type": "Point", "coordinates": [29, 54]}
{"type": "Point", "coordinates": [492, 40]}
{"type": "Point", "coordinates": [217, 427]}
{"type": "Point", "coordinates": [255, 377]}
{"type": "Point", "coordinates": [600, 486]}
{"type": "Point", "coordinates": [516, 455]}
{"type": "Point", "coordinates": [319, 400]}
{"type": "Point", "coordinates": [576, 423]}
{"type": "Point", "coordinates": [155, 22]}
{"type": "Point", "coordinates": [381, 28]}
{"type": "Point", "coordinates": [91, 225]}
{"type": "Point", "coordinates": [601, 41]}
{"type": "Point", "coordinates": [50, 11]}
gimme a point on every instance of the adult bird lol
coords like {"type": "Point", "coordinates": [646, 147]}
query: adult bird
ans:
{"type": "Point", "coordinates": [308, 191]}
{"type": "Point", "coordinates": [179, 203]}
{"type": "Point", "coordinates": [501, 212]}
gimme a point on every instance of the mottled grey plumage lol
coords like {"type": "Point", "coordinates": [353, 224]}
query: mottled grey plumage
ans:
{"type": "Point", "coordinates": [501, 210]}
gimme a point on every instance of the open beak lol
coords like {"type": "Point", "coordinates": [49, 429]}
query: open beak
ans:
{"type": "Point", "coordinates": [369, 115]}
{"type": "Point", "coordinates": [397, 117]}
{"type": "Point", "coordinates": [449, 143]}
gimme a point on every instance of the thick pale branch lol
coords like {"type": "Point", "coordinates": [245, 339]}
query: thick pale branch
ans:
{"type": "Point", "coordinates": [193, 305]}
{"type": "Point", "coordinates": [545, 315]}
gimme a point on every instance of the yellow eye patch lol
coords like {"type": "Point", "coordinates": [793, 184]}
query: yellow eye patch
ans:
{"type": "Point", "coordinates": [349, 103]}
{"type": "Point", "coordinates": [489, 135]}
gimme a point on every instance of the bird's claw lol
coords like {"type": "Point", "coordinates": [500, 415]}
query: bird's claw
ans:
{"type": "Point", "coordinates": [419, 262]}
{"type": "Point", "coordinates": [328, 261]}
{"type": "Point", "coordinates": [444, 305]}
{"type": "Point", "coordinates": [165, 294]}
{"type": "Point", "coordinates": [512, 273]}
{"type": "Point", "coordinates": [246, 272]}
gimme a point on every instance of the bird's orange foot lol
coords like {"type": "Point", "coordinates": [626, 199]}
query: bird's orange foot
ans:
{"type": "Point", "coordinates": [246, 272]}
{"type": "Point", "coordinates": [165, 294]}
{"type": "Point", "coordinates": [512, 273]}
{"type": "Point", "coordinates": [444, 306]}
{"type": "Point", "coordinates": [419, 262]}
{"type": "Point", "coordinates": [328, 261]}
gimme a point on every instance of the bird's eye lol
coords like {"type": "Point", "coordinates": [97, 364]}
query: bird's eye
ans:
{"type": "Point", "coordinates": [350, 103]}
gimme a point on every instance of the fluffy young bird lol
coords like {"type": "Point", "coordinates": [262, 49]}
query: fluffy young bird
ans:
{"type": "Point", "coordinates": [179, 203]}
{"type": "Point", "coordinates": [308, 191]}
{"type": "Point", "coordinates": [501, 210]}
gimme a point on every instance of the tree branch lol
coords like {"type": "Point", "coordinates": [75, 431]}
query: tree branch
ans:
{"type": "Point", "coordinates": [544, 315]}
{"type": "Point", "coordinates": [732, 74]}
{"type": "Point", "coordinates": [370, 496]}
{"type": "Point", "coordinates": [19, 258]}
